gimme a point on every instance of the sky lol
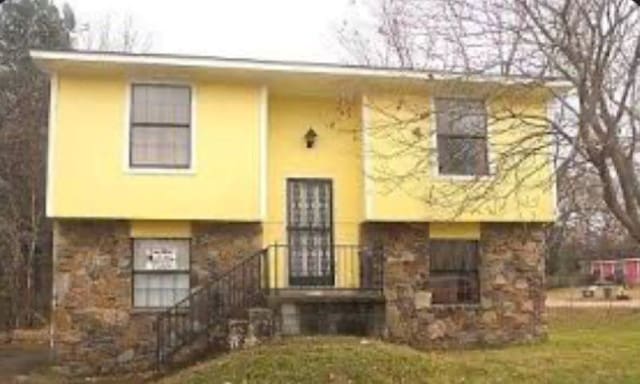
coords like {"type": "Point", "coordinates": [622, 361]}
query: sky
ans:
{"type": "Point", "coordinates": [303, 30]}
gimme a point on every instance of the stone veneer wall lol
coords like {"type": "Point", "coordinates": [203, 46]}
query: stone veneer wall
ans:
{"type": "Point", "coordinates": [96, 330]}
{"type": "Point", "coordinates": [216, 247]}
{"type": "Point", "coordinates": [512, 293]}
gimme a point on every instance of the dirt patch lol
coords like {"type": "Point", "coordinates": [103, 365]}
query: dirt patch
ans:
{"type": "Point", "coordinates": [31, 363]}
{"type": "Point", "coordinates": [22, 360]}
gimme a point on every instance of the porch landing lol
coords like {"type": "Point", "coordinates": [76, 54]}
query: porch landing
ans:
{"type": "Point", "coordinates": [325, 295]}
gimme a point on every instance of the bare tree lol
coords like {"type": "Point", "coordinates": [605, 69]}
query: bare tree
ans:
{"type": "Point", "coordinates": [24, 231]}
{"type": "Point", "coordinates": [112, 33]}
{"type": "Point", "coordinates": [585, 228]}
{"type": "Point", "coordinates": [592, 45]}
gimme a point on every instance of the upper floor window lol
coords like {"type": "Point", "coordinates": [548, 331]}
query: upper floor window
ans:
{"type": "Point", "coordinates": [461, 137]}
{"type": "Point", "coordinates": [160, 132]}
{"type": "Point", "coordinates": [453, 271]}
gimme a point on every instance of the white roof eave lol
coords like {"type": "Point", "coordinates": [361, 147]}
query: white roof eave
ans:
{"type": "Point", "coordinates": [48, 60]}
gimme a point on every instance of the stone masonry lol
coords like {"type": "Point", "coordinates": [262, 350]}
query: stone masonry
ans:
{"type": "Point", "coordinates": [216, 247]}
{"type": "Point", "coordinates": [96, 330]}
{"type": "Point", "coordinates": [512, 293]}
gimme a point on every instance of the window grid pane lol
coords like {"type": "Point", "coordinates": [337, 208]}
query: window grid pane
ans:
{"type": "Point", "coordinates": [158, 254]}
{"type": "Point", "coordinates": [462, 156]}
{"type": "Point", "coordinates": [160, 146]}
{"type": "Point", "coordinates": [454, 275]}
{"type": "Point", "coordinates": [461, 117]}
{"type": "Point", "coordinates": [159, 290]}
{"type": "Point", "coordinates": [161, 104]}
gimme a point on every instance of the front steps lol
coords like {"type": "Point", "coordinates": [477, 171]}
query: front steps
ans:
{"type": "Point", "coordinates": [236, 333]}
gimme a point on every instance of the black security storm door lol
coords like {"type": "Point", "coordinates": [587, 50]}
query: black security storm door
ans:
{"type": "Point", "coordinates": [310, 232]}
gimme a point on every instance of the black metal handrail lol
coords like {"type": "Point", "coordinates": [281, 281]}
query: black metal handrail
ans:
{"type": "Point", "coordinates": [369, 259]}
{"type": "Point", "coordinates": [246, 285]}
{"type": "Point", "coordinates": [211, 304]}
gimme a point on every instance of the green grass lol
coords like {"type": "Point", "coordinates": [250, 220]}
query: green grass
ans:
{"type": "Point", "coordinates": [585, 346]}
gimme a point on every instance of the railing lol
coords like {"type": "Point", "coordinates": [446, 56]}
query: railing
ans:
{"type": "Point", "coordinates": [211, 304]}
{"type": "Point", "coordinates": [332, 267]}
{"type": "Point", "coordinates": [249, 283]}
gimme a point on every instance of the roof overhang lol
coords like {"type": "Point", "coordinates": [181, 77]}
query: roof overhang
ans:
{"type": "Point", "coordinates": [312, 76]}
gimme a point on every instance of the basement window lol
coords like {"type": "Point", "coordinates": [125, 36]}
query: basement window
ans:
{"type": "Point", "coordinates": [160, 126]}
{"type": "Point", "coordinates": [161, 272]}
{"type": "Point", "coordinates": [461, 137]}
{"type": "Point", "coordinates": [453, 272]}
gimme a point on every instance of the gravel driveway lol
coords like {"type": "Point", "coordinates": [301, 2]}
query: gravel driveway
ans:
{"type": "Point", "coordinates": [560, 303]}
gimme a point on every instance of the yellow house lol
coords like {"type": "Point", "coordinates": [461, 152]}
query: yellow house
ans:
{"type": "Point", "coordinates": [329, 187]}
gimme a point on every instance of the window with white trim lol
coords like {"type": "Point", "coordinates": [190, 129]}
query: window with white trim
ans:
{"type": "Point", "coordinates": [461, 126]}
{"type": "Point", "coordinates": [161, 272]}
{"type": "Point", "coordinates": [453, 271]}
{"type": "Point", "coordinates": [160, 126]}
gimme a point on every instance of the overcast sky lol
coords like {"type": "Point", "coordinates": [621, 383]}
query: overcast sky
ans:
{"type": "Point", "coordinates": [269, 29]}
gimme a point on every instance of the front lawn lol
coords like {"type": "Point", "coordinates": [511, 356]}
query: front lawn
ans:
{"type": "Point", "coordinates": [585, 346]}
{"type": "Point", "coordinates": [575, 294]}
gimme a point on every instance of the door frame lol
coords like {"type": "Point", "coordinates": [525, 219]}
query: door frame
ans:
{"type": "Point", "coordinates": [330, 280]}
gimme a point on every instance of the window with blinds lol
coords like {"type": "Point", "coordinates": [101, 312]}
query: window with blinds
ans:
{"type": "Point", "coordinates": [160, 131]}
{"type": "Point", "coordinates": [461, 126]}
{"type": "Point", "coordinates": [161, 272]}
{"type": "Point", "coordinates": [453, 272]}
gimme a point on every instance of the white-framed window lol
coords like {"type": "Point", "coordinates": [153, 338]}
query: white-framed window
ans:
{"type": "Point", "coordinates": [160, 126]}
{"type": "Point", "coordinates": [461, 126]}
{"type": "Point", "coordinates": [161, 272]}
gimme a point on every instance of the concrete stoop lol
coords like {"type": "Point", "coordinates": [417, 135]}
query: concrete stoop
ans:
{"type": "Point", "coordinates": [235, 333]}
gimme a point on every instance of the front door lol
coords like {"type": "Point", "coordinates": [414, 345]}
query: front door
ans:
{"type": "Point", "coordinates": [310, 232]}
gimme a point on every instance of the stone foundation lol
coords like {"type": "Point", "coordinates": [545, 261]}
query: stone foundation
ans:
{"type": "Point", "coordinates": [512, 292]}
{"type": "Point", "coordinates": [96, 330]}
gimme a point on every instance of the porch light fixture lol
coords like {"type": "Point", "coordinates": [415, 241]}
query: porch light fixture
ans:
{"type": "Point", "coordinates": [310, 137]}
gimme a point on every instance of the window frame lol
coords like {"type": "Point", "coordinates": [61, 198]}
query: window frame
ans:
{"type": "Point", "coordinates": [131, 168]}
{"type": "Point", "coordinates": [135, 272]}
{"type": "Point", "coordinates": [490, 170]}
{"type": "Point", "coordinates": [460, 273]}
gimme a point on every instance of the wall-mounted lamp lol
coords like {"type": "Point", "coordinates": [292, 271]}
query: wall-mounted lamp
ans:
{"type": "Point", "coordinates": [310, 137]}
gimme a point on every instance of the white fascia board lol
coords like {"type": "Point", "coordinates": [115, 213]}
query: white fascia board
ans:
{"type": "Point", "coordinates": [43, 58]}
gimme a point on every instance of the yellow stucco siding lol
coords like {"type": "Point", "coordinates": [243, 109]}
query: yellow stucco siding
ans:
{"type": "Point", "coordinates": [248, 142]}
{"type": "Point", "coordinates": [160, 229]}
{"type": "Point", "coordinates": [469, 231]}
{"type": "Point", "coordinates": [336, 155]}
{"type": "Point", "coordinates": [90, 176]}
{"type": "Point", "coordinates": [401, 166]}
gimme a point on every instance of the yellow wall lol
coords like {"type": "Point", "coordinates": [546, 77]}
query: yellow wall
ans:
{"type": "Point", "coordinates": [90, 177]}
{"type": "Point", "coordinates": [454, 231]}
{"type": "Point", "coordinates": [402, 184]}
{"type": "Point", "coordinates": [336, 155]}
{"type": "Point", "coordinates": [89, 156]}
{"type": "Point", "coordinates": [160, 229]}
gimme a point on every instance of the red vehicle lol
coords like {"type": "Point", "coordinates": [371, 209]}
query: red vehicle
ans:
{"type": "Point", "coordinates": [632, 271]}
{"type": "Point", "coordinates": [606, 270]}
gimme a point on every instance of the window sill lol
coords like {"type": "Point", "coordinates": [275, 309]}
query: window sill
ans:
{"type": "Point", "coordinates": [161, 171]}
{"type": "Point", "coordinates": [470, 306]}
{"type": "Point", "coordinates": [152, 310]}
{"type": "Point", "coordinates": [146, 311]}
{"type": "Point", "coordinates": [464, 178]}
